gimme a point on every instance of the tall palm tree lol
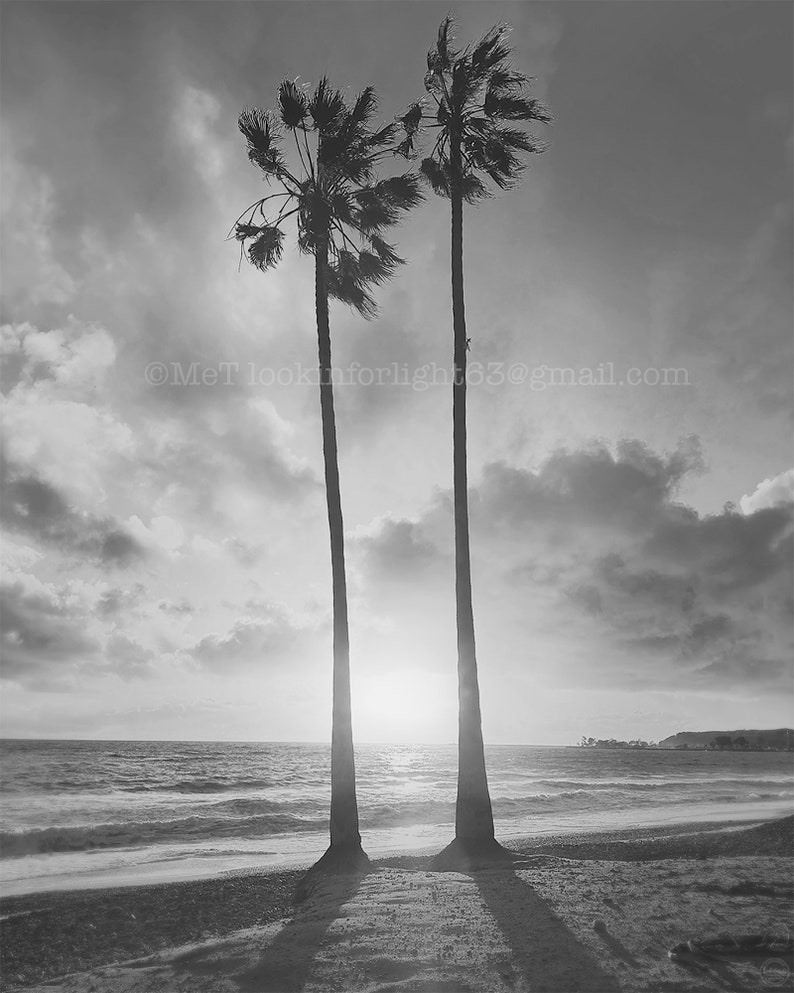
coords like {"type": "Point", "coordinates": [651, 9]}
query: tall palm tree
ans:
{"type": "Point", "coordinates": [342, 211]}
{"type": "Point", "coordinates": [474, 99]}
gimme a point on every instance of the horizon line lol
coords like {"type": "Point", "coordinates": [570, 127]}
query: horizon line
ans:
{"type": "Point", "coordinates": [289, 741]}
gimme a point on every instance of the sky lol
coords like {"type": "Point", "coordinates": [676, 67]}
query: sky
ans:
{"type": "Point", "coordinates": [166, 570]}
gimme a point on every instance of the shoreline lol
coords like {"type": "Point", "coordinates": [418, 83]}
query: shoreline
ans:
{"type": "Point", "coordinates": [189, 867]}
{"type": "Point", "coordinates": [87, 929]}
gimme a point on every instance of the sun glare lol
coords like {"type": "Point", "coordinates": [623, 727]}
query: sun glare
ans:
{"type": "Point", "coordinates": [411, 705]}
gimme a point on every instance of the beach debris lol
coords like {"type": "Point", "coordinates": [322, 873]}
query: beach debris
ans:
{"type": "Point", "coordinates": [728, 946]}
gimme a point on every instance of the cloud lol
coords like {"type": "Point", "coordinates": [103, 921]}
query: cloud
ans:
{"type": "Point", "coordinates": [118, 600]}
{"type": "Point", "coordinates": [773, 492]}
{"type": "Point", "coordinates": [268, 639]}
{"type": "Point", "coordinates": [218, 462]}
{"type": "Point", "coordinates": [164, 533]}
{"type": "Point", "coordinates": [58, 421]}
{"type": "Point", "coordinates": [195, 116]}
{"type": "Point", "coordinates": [32, 274]}
{"type": "Point", "coordinates": [592, 555]}
{"type": "Point", "coordinates": [39, 511]}
{"type": "Point", "coordinates": [181, 607]}
{"type": "Point", "coordinates": [44, 636]}
{"type": "Point", "coordinates": [69, 637]}
{"type": "Point", "coordinates": [128, 659]}
{"type": "Point", "coordinates": [395, 549]}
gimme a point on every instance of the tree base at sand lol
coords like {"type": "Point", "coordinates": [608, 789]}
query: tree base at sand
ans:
{"type": "Point", "coordinates": [339, 860]}
{"type": "Point", "coordinates": [470, 854]}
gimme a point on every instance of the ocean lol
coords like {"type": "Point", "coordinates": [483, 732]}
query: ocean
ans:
{"type": "Point", "coordinates": [80, 814]}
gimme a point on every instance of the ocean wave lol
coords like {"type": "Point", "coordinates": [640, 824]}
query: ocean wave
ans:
{"type": "Point", "coordinates": [136, 834]}
{"type": "Point", "coordinates": [256, 817]}
{"type": "Point", "coordinates": [648, 786]}
{"type": "Point", "coordinates": [197, 786]}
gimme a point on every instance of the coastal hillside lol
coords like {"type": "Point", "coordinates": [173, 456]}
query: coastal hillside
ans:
{"type": "Point", "coordinates": [780, 739]}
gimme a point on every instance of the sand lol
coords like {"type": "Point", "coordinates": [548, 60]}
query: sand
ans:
{"type": "Point", "coordinates": [591, 914]}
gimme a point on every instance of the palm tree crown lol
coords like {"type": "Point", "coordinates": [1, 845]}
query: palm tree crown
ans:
{"type": "Point", "coordinates": [477, 96]}
{"type": "Point", "coordinates": [341, 207]}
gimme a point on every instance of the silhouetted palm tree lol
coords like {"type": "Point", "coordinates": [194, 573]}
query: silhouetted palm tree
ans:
{"type": "Point", "coordinates": [342, 211]}
{"type": "Point", "coordinates": [476, 96]}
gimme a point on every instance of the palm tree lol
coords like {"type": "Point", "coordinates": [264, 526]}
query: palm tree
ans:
{"type": "Point", "coordinates": [475, 98]}
{"type": "Point", "coordinates": [342, 211]}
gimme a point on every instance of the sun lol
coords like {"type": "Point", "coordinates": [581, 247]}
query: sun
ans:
{"type": "Point", "coordinates": [404, 705]}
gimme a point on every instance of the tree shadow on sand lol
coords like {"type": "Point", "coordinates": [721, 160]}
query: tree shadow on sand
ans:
{"type": "Point", "coordinates": [548, 954]}
{"type": "Point", "coordinates": [288, 959]}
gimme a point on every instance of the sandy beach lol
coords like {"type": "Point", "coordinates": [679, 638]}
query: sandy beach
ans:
{"type": "Point", "coordinates": [589, 912]}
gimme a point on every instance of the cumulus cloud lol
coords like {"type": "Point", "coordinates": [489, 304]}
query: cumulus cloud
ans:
{"type": "Point", "coordinates": [128, 659]}
{"type": "Point", "coordinates": [594, 549]}
{"type": "Point", "coordinates": [66, 637]}
{"type": "Point", "coordinates": [180, 607]}
{"type": "Point", "coordinates": [267, 636]}
{"type": "Point", "coordinates": [44, 636]}
{"type": "Point", "coordinates": [118, 600]}
{"type": "Point", "coordinates": [58, 422]}
{"type": "Point", "coordinates": [774, 492]}
{"type": "Point", "coordinates": [39, 511]}
{"type": "Point", "coordinates": [395, 548]}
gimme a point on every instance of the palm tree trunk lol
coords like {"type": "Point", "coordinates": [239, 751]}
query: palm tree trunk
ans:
{"type": "Point", "coordinates": [344, 809]}
{"type": "Point", "coordinates": [473, 814]}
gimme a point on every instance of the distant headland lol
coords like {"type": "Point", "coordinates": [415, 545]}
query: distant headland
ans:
{"type": "Point", "coordinates": [777, 740]}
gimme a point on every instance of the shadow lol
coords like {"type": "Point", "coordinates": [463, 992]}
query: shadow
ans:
{"type": "Point", "coordinates": [550, 956]}
{"type": "Point", "coordinates": [288, 959]}
{"type": "Point", "coordinates": [618, 949]}
{"type": "Point", "coordinates": [720, 974]}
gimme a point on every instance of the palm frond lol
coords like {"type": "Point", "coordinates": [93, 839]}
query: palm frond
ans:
{"type": "Point", "coordinates": [473, 188]}
{"type": "Point", "coordinates": [344, 282]}
{"type": "Point", "coordinates": [306, 240]}
{"type": "Point", "coordinates": [374, 213]}
{"type": "Point", "coordinates": [437, 175]}
{"type": "Point", "coordinates": [242, 231]}
{"type": "Point", "coordinates": [268, 244]}
{"type": "Point", "coordinates": [292, 104]}
{"type": "Point", "coordinates": [365, 106]}
{"type": "Point", "coordinates": [432, 79]}
{"type": "Point", "coordinates": [514, 108]}
{"type": "Point", "coordinates": [400, 192]}
{"type": "Point", "coordinates": [384, 250]}
{"type": "Point", "coordinates": [520, 141]}
{"type": "Point", "coordinates": [405, 148]}
{"type": "Point", "coordinates": [352, 162]}
{"type": "Point", "coordinates": [261, 133]}
{"type": "Point", "coordinates": [445, 53]}
{"type": "Point", "coordinates": [382, 137]}
{"type": "Point", "coordinates": [478, 126]}
{"type": "Point", "coordinates": [327, 106]}
{"type": "Point", "coordinates": [465, 85]}
{"type": "Point", "coordinates": [342, 207]}
{"type": "Point", "coordinates": [413, 118]}
{"type": "Point", "coordinates": [489, 51]}
{"type": "Point", "coordinates": [505, 81]}
{"type": "Point", "coordinates": [373, 268]}
{"type": "Point", "coordinates": [494, 155]}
